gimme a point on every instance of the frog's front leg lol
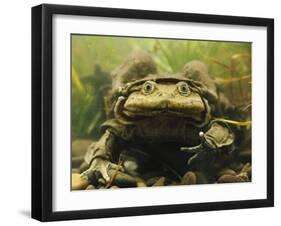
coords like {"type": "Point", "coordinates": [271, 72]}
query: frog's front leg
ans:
{"type": "Point", "coordinates": [99, 159]}
{"type": "Point", "coordinates": [218, 137]}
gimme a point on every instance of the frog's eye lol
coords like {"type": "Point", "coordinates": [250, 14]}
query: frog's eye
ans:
{"type": "Point", "coordinates": [183, 88]}
{"type": "Point", "coordinates": [148, 87]}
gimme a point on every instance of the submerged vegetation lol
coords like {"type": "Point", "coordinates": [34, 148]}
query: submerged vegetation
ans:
{"type": "Point", "coordinates": [94, 57]}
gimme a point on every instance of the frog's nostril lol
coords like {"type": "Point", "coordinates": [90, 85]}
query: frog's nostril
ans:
{"type": "Point", "coordinates": [164, 104]}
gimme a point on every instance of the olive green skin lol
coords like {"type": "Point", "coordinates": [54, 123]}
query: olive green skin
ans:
{"type": "Point", "coordinates": [175, 112]}
{"type": "Point", "coordinates": [164, 98]}
{"type": "Point", "coordinates": [164, 114]}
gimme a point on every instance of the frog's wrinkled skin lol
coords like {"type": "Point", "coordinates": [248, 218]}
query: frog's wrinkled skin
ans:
{"type": "Point", "coordinates": [161, 125]}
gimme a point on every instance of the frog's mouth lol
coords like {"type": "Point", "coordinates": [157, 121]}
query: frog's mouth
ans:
{"type": "Point", "coordinates": [131, 115]}
{"type": "Point", "coordinates": [165, 112]}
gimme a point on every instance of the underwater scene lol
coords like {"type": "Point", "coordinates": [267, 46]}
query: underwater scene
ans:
{"type": "Point", "coordinates": [149, 112]}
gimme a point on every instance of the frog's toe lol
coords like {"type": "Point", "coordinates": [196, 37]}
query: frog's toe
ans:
{"type": "Point", "coordinates": [104, 174]}
{"type": "Point", "coordinates": [112, 166]}
{"type": "Point", "coordinates": [87, 174]}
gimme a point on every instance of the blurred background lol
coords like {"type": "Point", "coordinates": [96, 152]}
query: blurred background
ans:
{"type": "Point", "coordinates": [94, 57]}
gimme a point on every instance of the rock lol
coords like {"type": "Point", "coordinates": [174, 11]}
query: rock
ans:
{"type": "Point", "coordinates": [113, 187]}
{"type": "Point", "coordinates": [229, 179]}
{"type": "Point", "coordinates": [90, 187]}
{"type": "Point", "coordinates": [188, 178]}
{"type": "Point", "coordinates": [227, 171]}
{"type": "Point", "coordinates": [78, 183]}
{"type": "Point", "coordinates": [131, 167]}
{"type": "Point", "coordinates": [160, 182]}
{"type": "Point", "coordinates": [102, 181]}
{"type": "Point", "coordinates": [122, 179]}
{"type": "Point", "coordinates": [141, 184]}
{"type": "Point", "coordinates": [151, 181]}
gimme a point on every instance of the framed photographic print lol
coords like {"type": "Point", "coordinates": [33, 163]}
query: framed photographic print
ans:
{"type": "Point", "coordinates": [145, 112]}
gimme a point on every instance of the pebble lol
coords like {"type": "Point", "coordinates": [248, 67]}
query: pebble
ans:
{"type": "Point", "coordinates": [141, 184]}
{"type": "Point", "coordinates": [90, 187]}
{"type": "Point", "coordinates": [229, 179]}
{"type": "Point", "coordinates": [123, 179]}
{"type": "Point", "coordinates": [160, 182]}
{"type": "Point", "coordinates": [151, 181]}
{"type": "Point", "coordinates": [113, 187]}
{"type": "Point", "coordinates": [188, 178]}
{"type": "Point", "coordinates": [78, 183]}
{"type": "Point", "coordinates": [227, 171]}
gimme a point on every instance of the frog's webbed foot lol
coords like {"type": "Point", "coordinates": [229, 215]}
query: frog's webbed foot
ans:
{"type": "Point", "coordinates": [100, 161]}
{"type": "Point", "coordinates": [201, 151]}
{"type": "Point", "coordinates": [218, 137]}
{"type": "Point", "coordinates": [100, 171]}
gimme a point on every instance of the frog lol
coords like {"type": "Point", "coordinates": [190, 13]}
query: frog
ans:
{"type": "Point", "coordinates": [161, 125]}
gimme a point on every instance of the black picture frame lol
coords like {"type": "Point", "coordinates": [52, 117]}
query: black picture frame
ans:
{"type": "Point", "coordinates": [42, 107]}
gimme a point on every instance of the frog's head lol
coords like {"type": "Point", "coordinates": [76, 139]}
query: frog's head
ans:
{"type": "Point", "coordinates": [163, 96]}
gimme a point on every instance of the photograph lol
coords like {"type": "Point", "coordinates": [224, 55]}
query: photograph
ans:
{"type": "Point", "coordinates": [141, 112]}
{"type": "Point", "coordinates": [149, 112]}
